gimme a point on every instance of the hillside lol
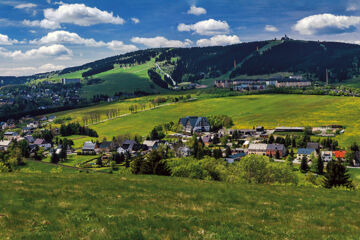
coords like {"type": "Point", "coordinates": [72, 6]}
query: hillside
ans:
{"type": "Point", "coordinates": [120, 73]}
{"type": "Point", "coordinates": [246, 111]}
{"type": "Point", "coordinates": [102, 206]}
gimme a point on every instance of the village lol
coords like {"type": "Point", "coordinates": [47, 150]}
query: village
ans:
{"type": "Point", "coordinates": [42, 141]}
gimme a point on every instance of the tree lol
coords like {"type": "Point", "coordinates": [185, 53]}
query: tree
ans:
{"type": "Point", "coordinates": [337, 175]}
{"type": "Point", "coordinates": [55, 158]}
{"type": "Point", "coordinates": [317, 165]}
{"type": "Point", "coordinates": [304, 167]}
{"type": "Point", "coordinates": [290, 160]}
{"type": "Point", "coordinates": [228, 151]}
{"type": "Point", "coordinates": [99, 161]}
{"type": "Point", "coordinates": [271, 139]}
{"type": "Point", "coordinates": [277, 155]}
{"type": "Point", "coordinates": [217, 153]}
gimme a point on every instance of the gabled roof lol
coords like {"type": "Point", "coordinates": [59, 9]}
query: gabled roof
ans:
{"type": "Point", "coordinates": [105, 144]}
{"type": "Point", "coordinates": [150, 143]}
{"type": "Point", "coordinates": [5, 143]}
{"type": "Point", "coordinates": [258, 147]}
{"type": "Point", "coordinates": [339, 154]}
{"type": "Point", "coordinates": [313, 145]}
{"type": "Point", "coordinates": [275, 147]}
{"type": "Point", "coordinates": [39, 141]}
{"type": "Point", "coordinates": [305, 151]}
{"type": "Point", "coordinates": [89, 146]}
{"type": "Point", "coordinates": [192, 120]}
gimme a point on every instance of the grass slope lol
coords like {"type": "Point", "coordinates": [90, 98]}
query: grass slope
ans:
{"type": "Point", "coordinates": [88, 206]}
{"type": "Point", "coordinates": [123, 80]}
{"type": "Point", "coordinates": [248, 111]}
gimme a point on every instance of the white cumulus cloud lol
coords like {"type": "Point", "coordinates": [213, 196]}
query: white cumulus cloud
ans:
{"type": "Point", "coordinates": [58, 51]}
{"type": "Point", "coordinates": [271, 28]}
{"type": "Point", "coordinates": [135, 20]}
{"type": "Point", "coordinates": [119, 46]}
{"type": "Point", "coordinates": [326, 23]}
{"type": "Point", "coordinates": [22, 71]}
{"type": "Point", "coordinates": [196, 10]}
{"type": "Point", "coordinates": [206, 27]}
{"type": "Point", "coordinates": [159, 41]}
{"type": "Point", "coordinates": [5, 40]}
{"type": "Point", "coordinates": [25, 5]}
{"type": "Point", "coordinates": [65, 37]}
{"type": "Point", "coordinates": [218, 40]}
{"type": "Point", "coordinates": [78, 14]}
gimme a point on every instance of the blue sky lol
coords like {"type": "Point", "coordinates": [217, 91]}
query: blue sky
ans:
{"type": "Point", "coordinates": [44, 35]}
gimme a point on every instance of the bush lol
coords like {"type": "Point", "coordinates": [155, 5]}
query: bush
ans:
{"type": "Point", "coordinates": [259, 169]}
{"type": "Point", "coordinates": [207, 168]}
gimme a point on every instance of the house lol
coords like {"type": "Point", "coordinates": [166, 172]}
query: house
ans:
{"type": "Point", "coordinates": [131, 146]}
{"type": "Point", "coordinates": [258, 149]}
{"type": "Point", "coordinates": [29, 139]}
{"type": "Point", "coordinates": [195, 124]}
{"type": "Point", "coordinates": [151, 144]}
{"type": "Point", "coordinates": [207, 139]}
{"type": "Point", "coordinates": [304, 152]}
{"type": "Point", "coordinates": [273, 149]}
{"type": "Point", "coordinates": [120, 150]}
{"type": "Point", "coordinates": [32, 125]}
{"type": "Point", "coordinates": [183, 152]}
{"type": "Point", "coordinates": [11, 135]}
{"type": "Point", "coordinates": [105, 146]}
{"type": "Point", "coordinates": [3, 125]}
{"type": "Point", "coordinates": [235, 157]}
{"type": "Point", "coordinates": [289, 129]}
{"type": "Point", "coordinates": [89, 148]}
{"type": "Point", "coordinates": [4, 145]}
{"type": "Point", "coordinates": [51, 118]}
{"type": "Point", "coordinates": [260, 129]}
{"type": "Point", "coordinates": [246, 144]}
{"type": "Point", "coordinates": [69, 150]}
{"type": "Point", "coordinates": [326, 156]}
{"type": "Point", "coordinates": [339, 155]}
{"type": "Point", "coordinates": [42, 143]}
{"type": "Point", "coordinates": [65, 81]}
{"type": "Point", "coordinates": [313, 145]}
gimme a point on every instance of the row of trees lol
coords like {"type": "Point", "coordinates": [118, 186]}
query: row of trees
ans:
{"type": "Point", "coordinates": [77, 129]}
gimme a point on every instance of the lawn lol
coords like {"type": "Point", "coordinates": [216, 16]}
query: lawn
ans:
{"type": "Point", "coordinates": [38, 167]}
{"type": "Point", "coordinates": [247, 111]}
{"type": "Point", "coordinates": [105, 206]}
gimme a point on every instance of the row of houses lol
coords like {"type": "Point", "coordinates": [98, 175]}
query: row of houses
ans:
{"type": "Point", "coordinates": [261, 84]}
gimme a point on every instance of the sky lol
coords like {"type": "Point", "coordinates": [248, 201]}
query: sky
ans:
{"type": "Point", "coordinates": [47, 35]}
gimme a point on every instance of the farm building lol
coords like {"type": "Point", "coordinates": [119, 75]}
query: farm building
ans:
{"type": "Point", "coordinates": [258, 149]}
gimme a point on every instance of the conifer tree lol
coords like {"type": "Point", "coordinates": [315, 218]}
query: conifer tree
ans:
{"type": "Point", "coordinates": [337, 175]}
{"type": "Point", "coordinates": [304, 167]}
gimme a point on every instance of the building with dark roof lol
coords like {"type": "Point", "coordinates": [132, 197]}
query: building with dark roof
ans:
{"type": "Point", "coordinates": [195, 124]}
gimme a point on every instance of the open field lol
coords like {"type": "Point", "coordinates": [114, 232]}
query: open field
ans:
{"type": "Point", "coordinates": [247, 111]}
{"type": "Point", "coordinates": [104, 206]}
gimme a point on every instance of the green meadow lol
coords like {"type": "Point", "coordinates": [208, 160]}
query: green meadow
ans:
{"type": "Point", "coordinates": [104, 206]}
{"type": "Point", "coordinates": [123, 80]}
{"type": "Point", "coordinates": [247, 111]}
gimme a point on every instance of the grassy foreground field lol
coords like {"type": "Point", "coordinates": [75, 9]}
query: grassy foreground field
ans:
{"type": "Point", "coordinates": [246, 111]}
{"type": "Point", "coordinates": [102, 206]}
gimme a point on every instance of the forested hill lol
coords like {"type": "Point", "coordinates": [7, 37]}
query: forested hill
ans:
{"type": "Point", "coordinates": [309, 58]}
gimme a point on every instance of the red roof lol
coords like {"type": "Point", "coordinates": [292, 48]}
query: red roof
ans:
{"type": "Point", "coordinates": [339, 154]}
